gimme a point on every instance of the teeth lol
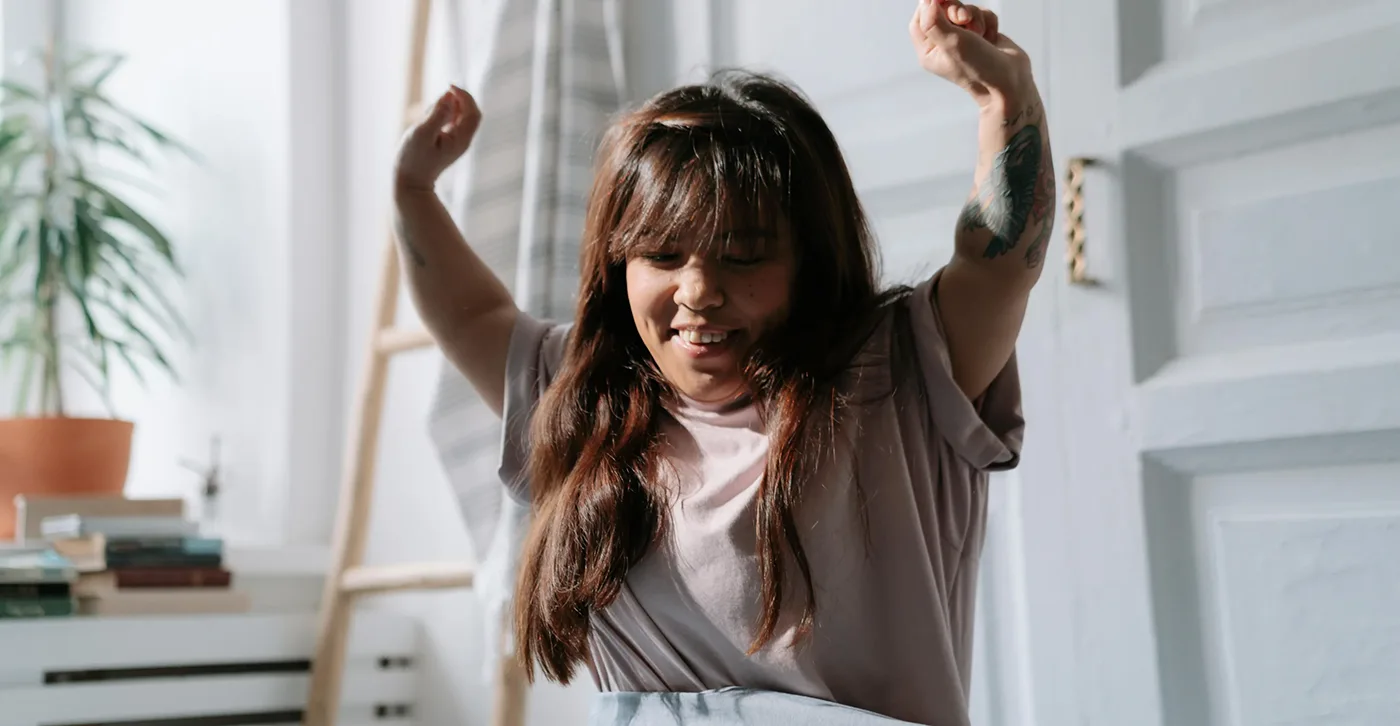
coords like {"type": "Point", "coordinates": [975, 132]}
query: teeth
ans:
{"type": "Point", "coordinates": [702, 338]}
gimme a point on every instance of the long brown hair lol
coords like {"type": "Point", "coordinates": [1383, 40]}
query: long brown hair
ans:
{"type": "Point", "coordinates": [685, 162]}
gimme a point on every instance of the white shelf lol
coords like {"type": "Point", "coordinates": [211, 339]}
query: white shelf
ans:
{"type": "Point", "coordinates": [379, 667]}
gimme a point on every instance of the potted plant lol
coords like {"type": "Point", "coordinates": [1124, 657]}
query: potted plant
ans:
{"type": "Point", "coordinates": [83, 277]}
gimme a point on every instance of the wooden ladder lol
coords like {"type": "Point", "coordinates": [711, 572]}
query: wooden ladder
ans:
{"type": "Point", "coordinates": [347, 578]}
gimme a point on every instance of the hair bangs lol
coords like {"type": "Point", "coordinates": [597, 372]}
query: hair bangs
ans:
{"type": "Point", "coordinates": [701, 186]}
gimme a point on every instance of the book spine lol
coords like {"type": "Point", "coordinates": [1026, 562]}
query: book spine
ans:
{"type": "Point", "coordinates": [32, 590]}
{"type": "Point", "coordinates": [173, 577]}
{"type": "Point", "coordinates": [165, 545]}
{"type": "Point", "coordinates": [36, 607]}
{"type": "Point", "coordinates": [35, 576]}
{"type": "Point", "coordinates": [124, 560]}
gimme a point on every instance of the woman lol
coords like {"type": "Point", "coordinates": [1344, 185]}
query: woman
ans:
{"type": "Point", "coordinates": [757, 480]}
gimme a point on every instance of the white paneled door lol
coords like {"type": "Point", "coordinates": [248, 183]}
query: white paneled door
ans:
{"type": "Point", "coordinates": [1231, 384]}
{"type": "Point", "coordinates": [910, 139]}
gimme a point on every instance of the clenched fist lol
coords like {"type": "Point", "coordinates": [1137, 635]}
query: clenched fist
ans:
{"type": "Point", "coordinates": [963, 44]}
{"type": "Point", "coordinates": [440, 139]}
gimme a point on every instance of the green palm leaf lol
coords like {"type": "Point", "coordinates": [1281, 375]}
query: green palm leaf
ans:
{"type": "Point", "coordinates": [69, 239]}
{"type": "Point", "coordinates": [15, 258]}
{"type": "Point", "coordinates": [134, 281]}
{"type": "Point", "coordinates": [98, 377]}
{"type": "Point", "coordinates": [144, 343]}
{"type": "Point", "coordinates": [117, 209]}
{"type": "Point", "coordinates": [114, 112]}
{"type": "Point", "coordinates": [20, 92]}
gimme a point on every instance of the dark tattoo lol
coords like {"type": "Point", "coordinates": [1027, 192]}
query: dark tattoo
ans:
{"type": "Point", "coordinates": [1035, 253]}
{"type": "Point", "coordinates": [1006, 200]}
{"type": "Point", "coordinates": [1043, 214]}
{"type": "Point", "coordinates": [1027, 114]}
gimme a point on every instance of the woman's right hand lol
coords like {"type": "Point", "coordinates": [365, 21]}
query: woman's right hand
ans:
{"type": "Point", "coordinates": [435, 142]}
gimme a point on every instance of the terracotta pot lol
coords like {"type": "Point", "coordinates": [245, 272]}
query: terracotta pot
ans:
{"type": "Point", "coordinates": [61, 456]}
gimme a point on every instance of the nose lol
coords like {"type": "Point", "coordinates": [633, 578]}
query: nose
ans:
{"type": "Point", "coordinates": [699, 287]}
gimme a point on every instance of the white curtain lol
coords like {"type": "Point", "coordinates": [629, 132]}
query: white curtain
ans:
{"type": "Point", "coordinates": [553, 80]}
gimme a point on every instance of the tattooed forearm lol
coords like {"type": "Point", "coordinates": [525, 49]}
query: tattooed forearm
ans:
{"type": "Point", "coordinates": [1035, 253]}
{"type": "Point", "coordinates": [1006, 200]}
{"type": "Point", "coordinates": [1024, 114]}
{"type": "Point", "coordinates": [1012, 205]}
{"type": "Point", "coordinates": [1042, 213]}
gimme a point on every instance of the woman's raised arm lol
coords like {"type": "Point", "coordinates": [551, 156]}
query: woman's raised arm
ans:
{"type": "Point", "coordinates": [468, 311]}
{"type": "Point", "coordinates": [1001, 235]}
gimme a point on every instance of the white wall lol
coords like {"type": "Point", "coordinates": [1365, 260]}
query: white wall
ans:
{"type": "Point", "coordinates": [255, 225]}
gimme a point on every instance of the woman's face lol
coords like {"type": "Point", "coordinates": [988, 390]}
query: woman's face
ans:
{"type": "Point", "coordinates": [699, 308]}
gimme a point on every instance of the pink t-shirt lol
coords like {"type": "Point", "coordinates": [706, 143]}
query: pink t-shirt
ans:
{"type": "Point", "coordinates": [895, 599]}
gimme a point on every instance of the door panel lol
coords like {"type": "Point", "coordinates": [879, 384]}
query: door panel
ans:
{"type": "Point", "coordinates": [1301, 233]}
{"type": "Point", "coordinates": [1235, 375]}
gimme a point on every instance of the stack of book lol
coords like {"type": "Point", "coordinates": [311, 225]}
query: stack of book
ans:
{"type": "Point", "coordinates": [143, 565]}
{"type": "Point", "coordinates": [35, 582]}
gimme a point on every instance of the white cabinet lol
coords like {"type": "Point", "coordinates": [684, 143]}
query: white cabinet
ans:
{"type": "Point", "coordinates": [83, 670]}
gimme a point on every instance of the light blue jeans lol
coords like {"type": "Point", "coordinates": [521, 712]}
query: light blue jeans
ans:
{"type": "Point", "coordinates": [727, 707]}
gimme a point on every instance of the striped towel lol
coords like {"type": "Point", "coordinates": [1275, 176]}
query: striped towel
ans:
{"type": "Point", "coordinates": [553, 81]}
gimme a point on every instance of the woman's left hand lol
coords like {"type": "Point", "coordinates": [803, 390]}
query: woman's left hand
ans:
{"type": "Point", "coordinates": [963, 44]}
